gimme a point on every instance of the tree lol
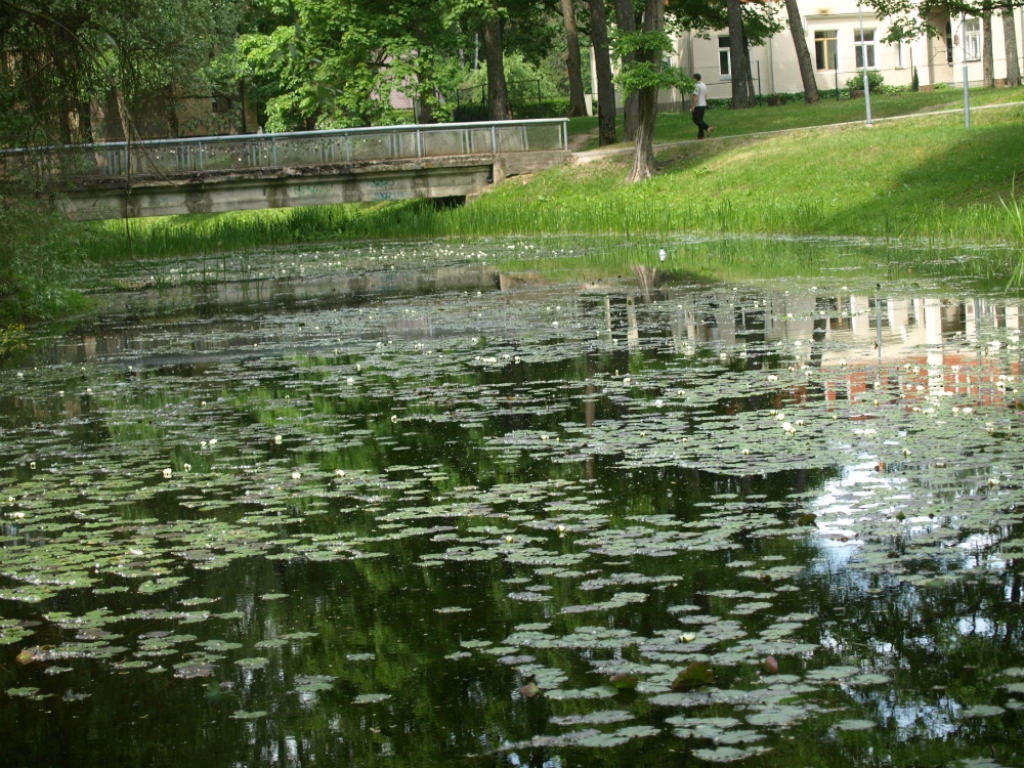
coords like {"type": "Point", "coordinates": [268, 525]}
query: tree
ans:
{"type": "Point", "coordinates": [1010, 39]}
{"type": "Point", "coordinates": [605, 84]}
{"type": "Point", "coordinates": [577, 104]}
{"type": "Point", "coordinates": [647, 75]}
{"type": "Point", "coordinates": [910, 19]}
{"type": "Point", "coordinates": [494, 50]}
{"type": "Point", "coordinates": [741, 96]}
{"type": "Point", "coordinates": [334, 63]}
{"type": "Point", "coordinates": [803, 56]}
{"type": "Point", "coordinates": [625, 19]}
{"type": "Point", "coordinates": [59, 55]}
{"type": "Point", "coordinates": [987, 63]}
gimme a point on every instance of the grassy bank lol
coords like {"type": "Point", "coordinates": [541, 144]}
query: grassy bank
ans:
{"type": "Point", "coordinates": [924, 179]}
{"type": "Point", "coordinates": [678, 126]}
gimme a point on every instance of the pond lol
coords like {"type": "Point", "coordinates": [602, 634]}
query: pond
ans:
{"type": "Point", "coordinates": [429, 511]}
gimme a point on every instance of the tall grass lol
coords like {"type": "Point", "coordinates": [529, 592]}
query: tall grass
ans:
{"type": "Point", "coordinates": [40, 260]}
{"type": "Point", "coordinates": [1015, 214]}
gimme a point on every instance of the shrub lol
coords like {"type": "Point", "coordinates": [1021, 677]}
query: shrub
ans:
{"type": "Point", "coordinates": [915, 82]}
{"type": "Point", "coordinates": [875, 81]}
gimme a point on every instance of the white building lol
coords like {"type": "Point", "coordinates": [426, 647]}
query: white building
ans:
{"type": "Point", "coordinates": [833, 39]}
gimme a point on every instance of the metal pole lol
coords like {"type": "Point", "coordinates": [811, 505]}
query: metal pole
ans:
{"type": "Point", "coordinates": [494, 140]}
{"type": "Point", "coordinates": [836, 64]}
{"type": "Point", "coordinates": [759, 83]}
{"type": "Point", "coordinates": [967, 87]}
{"type": "Point", "coordinates": [864, 62]}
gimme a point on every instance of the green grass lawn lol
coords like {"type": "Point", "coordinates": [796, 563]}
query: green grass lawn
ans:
{"type": "Point", "coordinates": [925, 179]}
{"type": "Point", "coordinates": [676, 126]}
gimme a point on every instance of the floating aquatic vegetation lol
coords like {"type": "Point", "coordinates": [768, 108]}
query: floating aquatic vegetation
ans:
{"type": "Point", "coordinates": [594, 508]}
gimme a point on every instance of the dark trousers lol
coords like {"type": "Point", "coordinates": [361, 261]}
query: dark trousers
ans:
{"type": "Point", "coordinates": [698, 119]}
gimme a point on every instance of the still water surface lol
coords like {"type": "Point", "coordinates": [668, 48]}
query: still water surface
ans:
{"type": "Point", "coordinates": [460, 517]}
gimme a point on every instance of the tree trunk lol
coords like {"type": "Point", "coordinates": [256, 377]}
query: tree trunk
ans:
{"type": "Point", "coordinates": [577, 104]}
{"type": "Point", "coordinates": [643, 157]}
{"type": "Point", "coordinates": [737, 52]}
{"type": "Point", "coordinates": [1010, 36]}
{"type": "Point", "coordinates": [605, 87]}
{"type": "Point", "coordinates": [494, 52]}
{"type": "Point", "coordinates": [748, 68]}
{"type": "Point", "coordinates": [987, 65]}
{"type": "Point", "coordinates": [803, 55]}
{"type": "Point", "coordinates": [625, 18]}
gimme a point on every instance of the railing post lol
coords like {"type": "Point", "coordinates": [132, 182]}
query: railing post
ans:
{"type": "Point", "coordinates": [419, 143]}
{"type": "Point", "coordinates": [273, 150]}
{"type": "Point", "coordinates": [494, 140]}
{"type": "Point", "coordinates": [348, 150]}
{"type": "Point", "coordinates": [565, 135]}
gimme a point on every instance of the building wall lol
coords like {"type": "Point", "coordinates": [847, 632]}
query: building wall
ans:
{"type": "Point", "coordinates": [780, 73]}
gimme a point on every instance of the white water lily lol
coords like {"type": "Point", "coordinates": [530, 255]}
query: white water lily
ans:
{"type": "Point", "coordinates": [296, 475]}
{"type": "Point", "coordinates": [277, 439]}
{"type": "Point", "coordinates": [168, 472]}
{"type": "Point", "coordinates": [339, 472]}
{"type": "Point", "coordinates": [788, 427]}
{"type": "Point", "coordinates": [187, 467]}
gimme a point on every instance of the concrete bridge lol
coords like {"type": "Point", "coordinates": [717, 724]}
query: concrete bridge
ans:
{"type": "Point", "coordinates": [284, 170]}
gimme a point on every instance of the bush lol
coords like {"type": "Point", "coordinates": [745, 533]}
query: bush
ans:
{"type": "Point", "coordinates": [875, 81]}
{"type": "Point", "coordinates": [943, 87]}
{"type": "Point", "coordinates": [915, 82]}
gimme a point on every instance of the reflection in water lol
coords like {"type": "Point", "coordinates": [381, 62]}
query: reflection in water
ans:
{"type": "Point", "coordinates": [481, 520]}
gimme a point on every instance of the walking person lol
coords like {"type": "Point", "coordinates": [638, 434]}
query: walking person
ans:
{"type": "Point", "coordinates": [698, 105]}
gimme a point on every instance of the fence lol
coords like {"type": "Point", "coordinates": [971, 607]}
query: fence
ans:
{"type": "Point", "coordinates": [278, 150]}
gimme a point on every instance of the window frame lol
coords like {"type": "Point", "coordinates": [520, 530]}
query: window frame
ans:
{"type": "Point", "coordinates": [725, 49]}
{"type": "Point", "coordinates": [826, 36]}
{"type": "Point", "coordinates": [860, 47]}
{"type": "Point", "coordinates": [972, 40]}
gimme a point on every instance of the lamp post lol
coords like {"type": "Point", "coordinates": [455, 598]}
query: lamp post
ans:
{"type": "Point", "coordinates": [967, 88]}
{"type": "Point", "coordinates": [864, 62]}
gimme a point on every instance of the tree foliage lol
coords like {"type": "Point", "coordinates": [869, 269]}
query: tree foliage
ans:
{"type": "Point", "coordinates": [61, 54]}
{"type": "Point", "coordinates": [911, 19]}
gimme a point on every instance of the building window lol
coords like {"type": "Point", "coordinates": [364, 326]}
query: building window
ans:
{"type": "Point", "coordinates": [724, 58]}
{"type": "Point", "coordinates": [864, 47]}
{"type": "Point", "coordinates": [949, 43]}
{"type": "Point", "coordinates": [825, 48]}
{"type": "Point", "coordinates": [972, 39]}
{"type": "Point", "coordinates": [221, 104]}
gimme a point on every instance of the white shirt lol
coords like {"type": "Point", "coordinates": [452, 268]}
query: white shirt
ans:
{"type": "Point", "coordinates": [701, 92]}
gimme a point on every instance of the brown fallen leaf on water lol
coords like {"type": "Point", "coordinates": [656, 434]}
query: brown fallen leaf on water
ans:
{"type": "Point", "coordinates": [25, 657]}
{"type": "Point", "coordinates": [529, 690]}
{"type": "Point", "coordinates": [770, 666]}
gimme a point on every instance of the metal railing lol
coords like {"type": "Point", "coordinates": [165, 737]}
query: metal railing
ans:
{"type": "Point", "coordinates": [282, 150]}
